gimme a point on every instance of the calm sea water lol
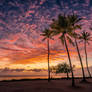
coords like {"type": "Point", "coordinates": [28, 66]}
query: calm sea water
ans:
{"type": "Point", "coordinates": [26, 77]}
{"type": "Point", "coordinates": [17, 77]}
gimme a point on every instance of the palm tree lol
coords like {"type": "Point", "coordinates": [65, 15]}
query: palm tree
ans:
{"type": "Point", "coordinates": [62, 26]}
{"type": "Point", "coordinates": [74, 20]}
{"type": "Point", "coordinates": [47, 36]}
{"type": "Point", "coordinates": [86, 37]}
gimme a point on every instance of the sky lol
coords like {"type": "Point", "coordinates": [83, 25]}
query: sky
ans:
{"type": "Point", "coordinates": [22, 51]}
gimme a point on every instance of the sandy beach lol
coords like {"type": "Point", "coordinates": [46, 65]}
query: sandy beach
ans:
{"type": "Point", "coordinates": [44, 86]}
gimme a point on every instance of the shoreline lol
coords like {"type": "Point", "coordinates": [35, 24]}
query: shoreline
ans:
{"type": "Point", "coordinates": [30, 79]}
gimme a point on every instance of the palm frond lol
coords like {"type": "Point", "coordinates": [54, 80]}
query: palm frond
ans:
{"type": "Point", "coordinates": [86, 36]}
{"type": "Point", "coordinates": [47, 34]}
{"type": "Point", "coordinates": [44, 38]}
{"type": "Point", "coordinates": [70, 40]}
{"type": "Point", "coordinates": [77, 27]}
{"type": "Point", "coordinates": [66, 25]}
{"type": "Point", "coordinates": [62, 39]}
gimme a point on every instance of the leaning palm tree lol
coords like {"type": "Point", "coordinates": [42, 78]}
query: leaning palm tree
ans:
{"type": "Point", "coordinates": [47, 36]}
{"type": "Point", "coordinates": [62, 26]}
{"type": "Point", "coordinates": [86, 37]}
{"type": "Point", "coordinates": [74, 20]}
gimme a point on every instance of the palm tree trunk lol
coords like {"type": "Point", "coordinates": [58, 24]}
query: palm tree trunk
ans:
{"type": "Point", "coordinates": [84, 79]}
{"type": "Point", "coordinates": [87, 59]}
{"type": "Point", "coordinates": [73, 81]}
{"type": "Point", "coordinates": [67, 75]}
{"type": "Point", "coordinates": [48, 60]}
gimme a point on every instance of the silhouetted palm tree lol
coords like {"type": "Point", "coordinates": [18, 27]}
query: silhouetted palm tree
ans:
{"type": "Point", "coordinates": [47, 36]}
{"type": "Point", "coordinates": [74, 20]}
{"type": "Point", "coordinates": [62, 26]}
{"type": "Point", "coordinates": [86, 37]}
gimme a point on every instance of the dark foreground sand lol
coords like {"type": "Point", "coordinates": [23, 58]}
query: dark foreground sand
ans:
{"type": "Point", "coordinates": [44, 86]}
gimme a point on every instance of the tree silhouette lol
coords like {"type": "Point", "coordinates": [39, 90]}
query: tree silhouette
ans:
{"type": "Point", "coordinates": [63, 27]}
{"type": "Point", "coordinates": [86, 37]}
{"type": "Point", "coordinates": [63, 68]}
{"type": "Point", "coordinates": [47, 36]}
{"type": "Point", "coordinates": [74, 20]}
